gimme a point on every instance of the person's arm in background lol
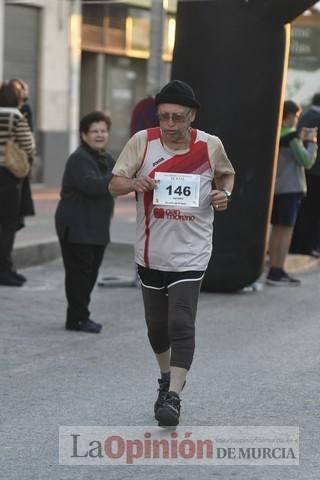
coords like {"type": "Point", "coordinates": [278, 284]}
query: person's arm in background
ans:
{"type": "Point", "coordinates": [305, 155]}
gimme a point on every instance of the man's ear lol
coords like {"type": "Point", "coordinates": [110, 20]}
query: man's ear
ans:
{"type": "Point", "coordinates": [193, 115]}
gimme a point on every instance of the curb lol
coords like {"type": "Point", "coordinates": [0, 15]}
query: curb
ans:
{"type": "Point", "coordinates": [46, 251]}
{"type": "Point", "coordinates": [37, 253]}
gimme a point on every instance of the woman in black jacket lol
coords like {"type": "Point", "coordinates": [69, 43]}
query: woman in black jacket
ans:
{"type": "Point", "coordinates": [83, 218]}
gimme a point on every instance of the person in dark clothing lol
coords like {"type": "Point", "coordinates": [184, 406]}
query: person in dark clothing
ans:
{"type": "Point", "coordinates": [83, 218]}
{"type": "Point", "coordinates": [306, 237]}
{"type": "Point", "coordinates": [27, 204]}
{"type": "Point", "coordinates": [12, 202]}
{"type": "Point", "coordinates": [144, 115]}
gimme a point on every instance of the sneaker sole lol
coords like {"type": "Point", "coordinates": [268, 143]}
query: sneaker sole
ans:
{"type": "Point", "coordinates": [82, 331]}
{"type": "Point", "coordinates": [274, 283]}
{"type": "Point", "coordinates": [167, 418]}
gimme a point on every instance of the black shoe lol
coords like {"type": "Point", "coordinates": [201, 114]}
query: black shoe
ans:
{"type": "Point", "coordinates": [163, 391]}
{"type": "Point", "coordinates": [95, 324]}
{"type": "Point", "coordinates": [281, 278]}
{"type": "Point", "coordinates": [88, 326]}
{"type": "Point", "coordinates": [9, 280]}
{"type": "Point", "coordinates": [169, 413]}
{"type": "Point", "coordinates": [19, 276]}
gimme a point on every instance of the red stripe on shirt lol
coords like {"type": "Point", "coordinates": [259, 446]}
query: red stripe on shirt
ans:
{"type": "Point", "coordinates": [153, 133]}
{"type": "Point", "coordinates": [188, 163]}
{"type": "Point", "coordinates": [147, 201]}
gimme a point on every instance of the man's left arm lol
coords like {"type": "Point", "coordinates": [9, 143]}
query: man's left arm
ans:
{"type": "Point", "coordinates": [223, 174]}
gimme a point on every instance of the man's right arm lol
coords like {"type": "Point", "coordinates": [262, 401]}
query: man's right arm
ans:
{"type": "Point", "coordinates": [122, 185]}
{"type": "Point", "coordinates": [128, 163]}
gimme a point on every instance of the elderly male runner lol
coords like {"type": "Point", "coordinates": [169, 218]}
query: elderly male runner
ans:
{"type": "Point", "coordinates": [172, 169]}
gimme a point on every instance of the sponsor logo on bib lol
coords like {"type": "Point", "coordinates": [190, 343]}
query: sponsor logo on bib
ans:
{"type": "Point", "coordinates": [171, 214]}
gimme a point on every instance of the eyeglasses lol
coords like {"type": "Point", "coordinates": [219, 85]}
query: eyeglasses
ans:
{"type": "Point", "coordinates": [174, 117]}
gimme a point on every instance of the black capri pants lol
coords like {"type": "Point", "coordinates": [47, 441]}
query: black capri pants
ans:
{"type": "Point", "coordinates": [170, 303]}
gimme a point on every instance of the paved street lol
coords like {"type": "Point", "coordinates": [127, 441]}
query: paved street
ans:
{"type": "Point", "coordinates": [256, 363]}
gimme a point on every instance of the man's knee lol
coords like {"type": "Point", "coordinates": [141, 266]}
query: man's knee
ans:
{"type": "Point", "coordinates": [159, 340]}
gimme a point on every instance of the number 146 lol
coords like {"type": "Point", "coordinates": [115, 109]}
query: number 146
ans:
{"type": "Point", "coordinates": [185, 191]}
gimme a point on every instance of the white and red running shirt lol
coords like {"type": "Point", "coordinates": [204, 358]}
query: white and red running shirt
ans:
{"type": "Point", "coordinates": [173, 238]}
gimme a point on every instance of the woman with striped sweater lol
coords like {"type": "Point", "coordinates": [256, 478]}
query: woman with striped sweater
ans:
{"type": "Point", "coordinates": [10, 186]}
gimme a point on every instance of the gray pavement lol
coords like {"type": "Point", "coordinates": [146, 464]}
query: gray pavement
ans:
{"type": "Point", "coordinates": [256, 363]}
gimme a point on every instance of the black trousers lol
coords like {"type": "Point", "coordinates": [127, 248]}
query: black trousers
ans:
{"type": "Point", "coordinates": [81, 263]}
{"type": "Point", "coordinates": [306, 236]}
{"type": "Point", "coordinates": [10, 206]}
{"type": "Point", "coordinates": [7, 235]}
{"type": "Point", "coordinates": [313, 212]}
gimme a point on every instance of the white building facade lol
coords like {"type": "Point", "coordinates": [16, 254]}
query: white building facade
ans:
{"type": "Point", "coordinates": [77, 56]}
{"type": "Point", "coordinates": [36, 45]}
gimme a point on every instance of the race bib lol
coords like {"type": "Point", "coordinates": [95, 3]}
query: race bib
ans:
{"type": "Point", "coordinates": [176, 189]}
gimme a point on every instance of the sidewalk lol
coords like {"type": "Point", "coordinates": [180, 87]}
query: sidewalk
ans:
{"type": "Point", "coordinates": [38, 243]}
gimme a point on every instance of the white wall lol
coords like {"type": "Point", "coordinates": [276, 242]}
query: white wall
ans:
{"type": "Point", "coordinates": [59, 59]}
{"type": "Point", "coordinates": [54, 65]}
{"type": "Point", "coordinates": [1, 37]}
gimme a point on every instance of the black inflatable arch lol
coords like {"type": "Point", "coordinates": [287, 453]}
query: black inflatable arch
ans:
{"type": "Point", "coordinates": [234, 54]}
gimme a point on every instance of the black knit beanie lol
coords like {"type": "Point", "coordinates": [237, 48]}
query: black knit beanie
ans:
{"type": "Point", "coordinates": [177, 92]}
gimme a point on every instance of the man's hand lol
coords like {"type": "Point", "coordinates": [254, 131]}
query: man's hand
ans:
{"type": "Point", "coordinates": [219, 199]}
{"type": "Point", "coordinates": [143, 184]}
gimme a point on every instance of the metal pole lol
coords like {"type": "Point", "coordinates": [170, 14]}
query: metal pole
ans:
{"type": "Point", "coordinates": [74, 71]}
{"type": "Point", "coordinates": [1, 38]}
{"type": "Point", "coordinates": [154, 67]}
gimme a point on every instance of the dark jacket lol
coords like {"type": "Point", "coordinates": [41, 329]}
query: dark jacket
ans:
{"type": "Point", "coordinates": [85, 209]}
{"type": "Point", "coordinates": [27, 112]}
{"type": "Point", "coordinates": [27, 205]}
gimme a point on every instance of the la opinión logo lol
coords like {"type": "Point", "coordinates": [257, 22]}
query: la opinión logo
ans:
{"type": "Point", "coordinates": [116, 447]}
{"type": "Point", "coordinates": [205, 445]}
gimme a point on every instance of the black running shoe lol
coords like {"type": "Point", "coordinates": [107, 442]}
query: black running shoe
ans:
{"type": "Point", "coordinates": [169, 413]}
{"type": "Point", "coordinates": [281, 278]}
{"type": "Point", "coordinates": [163, 390]}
